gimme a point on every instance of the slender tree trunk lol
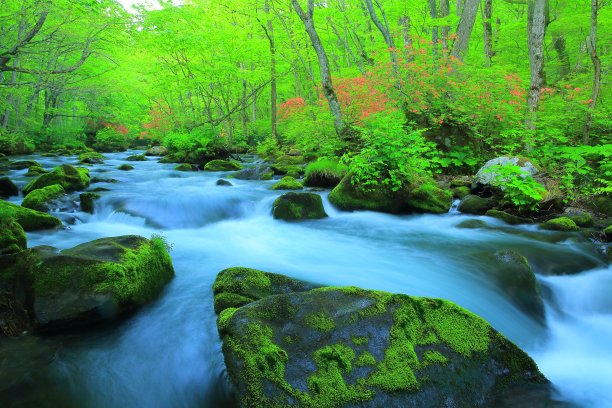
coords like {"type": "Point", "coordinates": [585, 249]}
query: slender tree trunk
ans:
{"type": "Point", "coordinates": [407, 38]}
{"type": "Point", "coordinates": [433, 12]}
{"type": "Point", "coordinates": [12, 99]}
{"type": "Point", "coordinates": [537, 10]}
{"type": "Point", "coordinates": [487, 15]}
{"type": "Point", "coordinates": [383, 27]}
{"type": "Point", "coordinates": [444, 12]}
{"type": "Point", "coordinates": [558, 44]}
{"type": "Point", "coordinates": [464, 30]}
{"type": "Point", "coordinates": [307, 18]}
{"type": "Point", "coordinates": [459, 7]}
{"type": "Point", "coordinates": [592, 46]}
{"type": "Point", "coordinates": [273, 91]}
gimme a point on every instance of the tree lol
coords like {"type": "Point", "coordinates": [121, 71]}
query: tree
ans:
{"type": "Point", "coordinates": [464, 29]}
{"type": "Point", "coordinates": [536, 28]}
{"type": "Point", "coordinates": [592, 47]}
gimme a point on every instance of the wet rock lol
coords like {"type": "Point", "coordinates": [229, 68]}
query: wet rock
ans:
{"type": "Point", "coordinates": [157, 151]}
{"type": "Point", "coordinates": [472, 224]}
{"type": "Point", "coordinates": [7, 188]}
{"type": "Point", "coordinates": [507, 217]}
{"type": "Point", "coordinates": [421, 196]}
{"type": "Point", "coordinates": [125, 167]}
{"type": "Point", "coordinates": [23, 164]}
{"type": "Point", "coordinates": [137, 157]}
{"type": "Point", "coordinates": [225, 183]}
{"type": "Point", "coordinates": [348, 347]}
{"type": "Point", "coordinates": [35, 171]}
{"type": "Point", "coordinates": [98, 281]}
{"type": "Point", "coordinates": [70, 178]}
{"type": "Point", "coordinates": [287, 170]}
{"type": "Point", "coordinates": [87, 202]}
{"type": "Point", "coordinates": [41, 199]}
{"type": "Point", "coordinates": [288, 183]}
{"type": "Point", "coordinates": [460, 192]}
{"type": "Point", "coordinates": [580, 217]}
{"type": "Point", "coordinates": [91, 158]}
{"type": "Point", "coordinates": [486, 175]}
{"type": "Point", "coordinates": [560, 224]}
{"type": "Point", "coordinates": [472, 204]}
{"type": "Point", "coordinates": [30, 220]}
{"type": "Point", "coordinates": [12, 237]}
{"type": "Point", "coordinates": [222, 165]}
{"type": "Point", "coordinates": [298, 206]}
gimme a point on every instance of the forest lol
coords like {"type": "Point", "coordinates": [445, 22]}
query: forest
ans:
{"type": "Point", "coordinates": [455, 153]}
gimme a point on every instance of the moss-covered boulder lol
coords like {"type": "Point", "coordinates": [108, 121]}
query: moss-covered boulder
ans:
{"type": "Point", "coordinates": [157, 151]}
{"type": "Point", "coordinates": [70, 178]}
{"type": "Point", "coordinates": [223, 183]}
{"type": "Point", "coordinates": [298, 206]}
{"type": "Point", "coordinates": [186, 167]}
{"type": "Point", "coordinates": [91, 158]}
{"type": "Point", "coordinates": [287, 170]}
{"type": "Point", "coordinates": [222, 165]}
{"type": "Point", "coordinates": [602, 204]}
{"type": "Point", "coordinates": [288, 183]}
{"type": "Point", "coordinates": [137, 157]}
{"type": "Point", "coordinates": [87, 201]}
{"type": "Point", "coordinates": [472, 204]}
{"type": "Point", "coordinates": [30, 220]}
{"type": "Point", "coordinates": [421, 196]}
{"type": "Point", "coordinates": [324, 174]}
{"type": "Point", "coordinates": [235, 287]}
{"type": "Point", "coordinates": [35, 171]}
{"type": "Point", "coordinates": [460, 192]}
{"type": "Point", "coordinates": [99, 280]}
{"type": "Point", "coordinates": [580, 217]}
{"type": "Point", "coordinates": [41, 199]}
{"type": "Point", "coordinates": [23, 164]}
{"type": "Point", "coordinates": [125, 167]}
{"type": "Point", "coordinates": [12, 237]}
{"type": "Point", "coordinates": [7, 188]}
{"type": "Point", "coordinates": [507, 217]}
{"type": "Point", "coordinates": [560, 224]}
{"type": "Point", "coordinates": [472, 224]}
{"type": "Point", "coordinates": [349, 347]}
{"type": "Point", "coordinates": [607, 233]}
{"type": "Point", "coordinates": [288, 160]}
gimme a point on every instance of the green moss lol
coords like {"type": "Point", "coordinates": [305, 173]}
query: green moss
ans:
{"type": "Point", "coordinates": [224, 318]}
{"type": "Point", "coordinates": [39, 199]}
{"type": "Point", "coordinates": [91, 158]}
{"type": "Point", "coordinates": [288, 160]}
{"type": "Point", "coordinates": [137, 157]}
{"type": "Point", "coordinates": [125, 167]}
{"type": "Point", "coordinates": [560, 224]}
{"type": "Point", "coordinates": [508, 218]}
{"type": "Point", "coordinates": [319, 321]}
{"type": "Point", "coordinates": [222, 165]}
{"type": "Point", "coordinates": [30, 220]}
{"type": "Point", "coordinates": [472, 224]}
{"type": "Point", "coordinates": [36, 171]}
{"type": "Point", "coordinates": [430, 198]}
{"type": "Point", "coordinates": [288, 183]}
{"type": "Point", "coordinates": [87, 201]}
{"type": "Point", "coordinates": [289, 170]}
{"type": "Point", "coordinates": [241, 280]}
{"type": "Point", "coordinates": [226, 300]}
{"type": "Point", "coordinates": [432, 357]}
{"type": "Point", "coordinates": [365, 359]}
{"type": "Point", "coordinates": [70, 178]}
{"type": "Point", "coordinates": [298, 206]}
{"type": "Point", "coordinates": [12, 237]}
{"type": "Point", "coordinates": [185, 167]}
{"type": "Point", "coordinates": [460, 192]}
{"type": "Point", "coordinates": [360, 341]}
{"type": "Point", "coordinates": [326, 173]}
{"type": "Point", "coordinates": [608, 232]}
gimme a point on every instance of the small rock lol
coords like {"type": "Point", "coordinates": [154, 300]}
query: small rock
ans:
{"type": "Point", "coordinates": [298, 206]}
{"type": "Point", "coordinates": [125, 167]}
{"type": "Point", "coordinates": [87, 202]}
{"type": "Point", "coordinates": [472, 204]}
{"type": "Point", "coordinates": [222, 182]}
{"type": "Point", "coordinates": [288, 183]}
{"type": "Point", "coordinates": [7, 188]}
{"type": "Point", "coordinates": [560, 224]}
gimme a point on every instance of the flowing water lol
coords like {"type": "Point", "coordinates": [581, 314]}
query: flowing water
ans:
{"type": "Point", "coordinates": [169, 354]}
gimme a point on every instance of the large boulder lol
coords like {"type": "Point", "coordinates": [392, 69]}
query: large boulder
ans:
{"type": "Point", "coordinates": [222, 165]}
{"type": "Point", "coordinates": [70, 178]}
{"type": "Point", "coordinates": [349, 347]}
{"type": "Point", "coordinates": [7, 188]}
{"type": "Point", "coordinates": [12, 237]}
{"type": "Point", "coordinates": [472, 204]}
{"type": "Point", "coordinates": [560, 224]}
{"type": "Point", "coordinates": [487, 175]}
{"type": "Point", "coordinates": [157, 151]}
{"type": "Point", "coordinates": [41, 199]}
{"type": "Point", "coordinates": [91, 158]}
{"type": "Point", "coordinates": [324, 173]}
{"type": "Point", "coordinates": [235, 287]}
{"type": "Point", "coordinates": [298, 206]}
{"type": "Point", "coordinates": [30, 220]}
{"type": "Point", "coordinates": [98, 281]}
{"type": "Point", "coordinates": [421, 196]}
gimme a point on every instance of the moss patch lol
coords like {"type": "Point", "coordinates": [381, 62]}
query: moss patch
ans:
{"type": "Point", "coordinates": [324, 173]}
{"type": "Point", "coordinates": [560, 224]}
{"type": "Point", "coordinates": [298, 206]}
{"type": "Point", "coordinates": [222, 165]}
{"type": "Point", "coordinates": [39, 199]}
{"type": "Point", "coordinates": [288, 183]}
{"type": "Point", "coordinates": [320, 321]}
{"type": "Point", "coordinates": [30, 220]}
{"type": "Point", "coordinates": [70, 178]}
{"type": "Point", "coordinates": [12, 237]}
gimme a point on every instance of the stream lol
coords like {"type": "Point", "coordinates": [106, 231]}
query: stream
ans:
{"type": "Point", "coordinates": [168, 354]}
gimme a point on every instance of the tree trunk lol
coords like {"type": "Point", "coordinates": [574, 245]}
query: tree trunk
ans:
{"type": "Point", "coordinates": [459, 7]}
{"type": "Point", "coordinates": [273, 91]}
{"type": "Point", "coordinates": [592, 46]}
{"type": "Point", "coordinates": [444, 12]}
{"type": "Point", "coordinates": [536, 29]}
{"type": "Point", "coordinates": [464, 30]}
{"type": "Point", "coordinates": [408, 47]}
{"type": "Point", "coordinates": [487, 15]}
{"type": "Point", "coordinates": [558, 43]}
{"type": "Point", "coordinates": [307, 18]}
{"type": "Point", "coordinates": [383, 28]}
{"type": "Point", "coordinates": [433, 12]}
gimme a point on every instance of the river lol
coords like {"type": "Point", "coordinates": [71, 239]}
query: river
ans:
{"type": "Point", "coordinates": [169, 354]}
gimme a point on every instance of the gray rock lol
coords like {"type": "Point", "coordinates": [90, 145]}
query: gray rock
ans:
{"type": "Point", "coordinates": [485, 176]}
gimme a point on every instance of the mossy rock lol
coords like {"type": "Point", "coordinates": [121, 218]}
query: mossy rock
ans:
{"type": "Point", "coordinates": [224, 183]}
{"type": "Point", "coordinates": [460, 192]}
{"type": "Point", "coordinates": [137, 157]}
{"type": "Point", "coordinates": [186, 167]}
{"type": "Point", "coordinates": [70, 178]}
{"type": "Point", "coordinates": [472, 204]}
{"type": "Point", "coordinates": [7, 188]}
{"type": "Point", "coordinates": [324, 174]}
{"type": "Point", "coordinates": [125, 167]}
{"type": "Point", "coordinates": [35, 171]}
{"type": "Point", "coordinates": [157, 151]}
{"type": "Point", "coordinates": [288, 183]}
{"type": "Point", "coordinates": [30, 220]}
{"type": "Point", "coordinates": [87, 201]}
{"type": "Point", "coordinates": [99, 280]}
{"type": "Point", "coordinates": [560, 224]}
{"type": "Point", "coordinates": [298, 206]}
{"type": "Point", "coordinates": [41, 198]}
{"type": "Point", "coordinates": [23, 164]}
{"type": "Point", "coordinates": [287, 170]}
{"type": "Point", "coordinates": [257, 172]}
{"type": "Point", "coordinates": [472, 224]}
{"type": "Point", "coordinates": [91, 158]}
{"type": "Point", "coordinates": [12, 237]}
{"type": "Point", "coordinates": [603, 204]}
{"type": "Point", "coordinates": [460, 183]}
{"type": "Point", "coordinates": [235, 287]}
{"type": "Point", "coordinates": [348, 347]}
{"type": "Point", "coordinates": [222, 165]}
{"type": "Point", "coordinates": [422, 196]}
{"type": "Point", "coordinates": [607, 232]}
{"type": "Point", "coordinates": [580, 217]}
{"type": "Point", "coordinates": [507, 217]}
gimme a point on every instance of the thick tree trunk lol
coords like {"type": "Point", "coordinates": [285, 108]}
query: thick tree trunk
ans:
{"type": "Point", "coordinates": [592, 46]}
{"type": "Point", "coordinates": [487, 15]}
{"type": "Point", "coordinates": [307, 18]}
{"type": "Point", "coordinates": [536, 28]}
{"type": "Point", "coordinates": [464, 30]}
{"type": "Point", "coordinates": [444, 12]}
{"type": "Point", "coordinates": [433, 12]}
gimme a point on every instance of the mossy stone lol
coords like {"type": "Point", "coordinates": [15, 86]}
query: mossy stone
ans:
{"type": "Point", "coordinates": [460, 183]}
{"type": "Point", "coordinates": [508, 218]}
{"type": "Point", "coordinates": [472, 224]}
{"type": "Point", "coordinates": [291, 170]}
{"type": "Point", "coordinates": [23, 164]}
{"type": "Point", "coordinates": [125, 167]}
{"type": "Point", "coordinates": [607, 232]}
{"type": "Point", "coordinates": [91, 158]}
{"type": "Point", "coordinates": [98, 280]}
{"type": "Point", "coordinates": [70, 178]}
{"type": "Point", "coordinates": [298, 206]}
{"type": "Point", "coordinates": [12, 237]}
{"type": "Point", "coordinates": [30, 220]}
{"type": "Point", "coordinates": [186, 167]}
{"type": "Point", "coordinates": [7, 188]}
{"type": "Point", "coordinates": [580, 217]}
{"type": "Point", "coordinates": [137, 157]}
{"type": "Point", "coordinates": [224, 183]}
{"type": "Point", "coordinates": [460, 192]}
{"type": "Point", "coordinates": [560, 224]}
{"type": "Point", "coordinates": [473, 204]}
{"type": "Point", "coordinates": [87, 201]}
{"type": "Point", "coordinates": [288, 183]}
{"type": "Point", "coordinates": [40, 199]}
{"type": "Point", "coordinates": [222, 165]}
{"type": "Point", "coordinates": [35, 171]}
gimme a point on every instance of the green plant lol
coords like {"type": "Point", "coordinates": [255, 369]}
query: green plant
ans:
{"type": "Point", "coordinates": [518, 186]}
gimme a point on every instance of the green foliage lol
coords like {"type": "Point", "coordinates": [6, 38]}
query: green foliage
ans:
{"type": "Point", "coordinates": [518, 186]}
{"type": "Point", "coordinates": [110, 140]}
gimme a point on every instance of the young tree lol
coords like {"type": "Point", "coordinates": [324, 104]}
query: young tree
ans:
{"type": "Point", "coordinates": [536, 30]}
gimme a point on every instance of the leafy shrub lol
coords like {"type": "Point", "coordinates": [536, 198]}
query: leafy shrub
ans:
{"type": "Point", "coordinates": [519, 187]}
